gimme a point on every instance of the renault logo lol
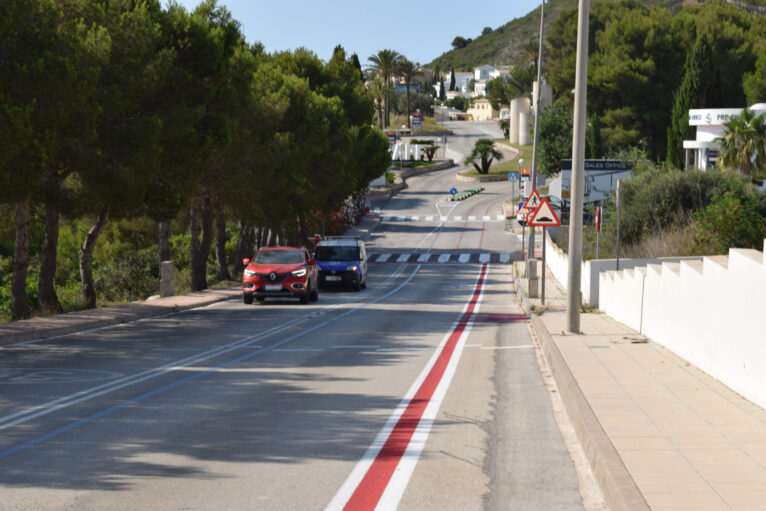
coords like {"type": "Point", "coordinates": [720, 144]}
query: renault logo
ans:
{"type": "Point", "coordinates": [273, 276]}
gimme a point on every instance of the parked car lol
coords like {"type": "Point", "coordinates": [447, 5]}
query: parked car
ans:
{"type": "Point", "coordinates": [280, 272]}
{"type": "Point", "coordinates": [342, 261]}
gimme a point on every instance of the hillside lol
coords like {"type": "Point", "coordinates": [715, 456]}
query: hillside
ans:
{"type": "Point", "coordinates": [506, 44]}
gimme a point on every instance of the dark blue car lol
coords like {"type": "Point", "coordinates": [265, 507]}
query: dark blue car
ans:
{"type": "Point", "coordinates": [342, 261]}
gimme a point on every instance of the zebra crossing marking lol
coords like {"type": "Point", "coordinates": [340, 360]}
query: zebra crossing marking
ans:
{"type": "Point", "coordinates": [423, 258]}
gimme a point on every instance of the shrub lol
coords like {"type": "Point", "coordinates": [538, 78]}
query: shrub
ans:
{"type": "Point", "coordinates": [732, 220]}
{"type": "Point", "coordinates": [129, 276]}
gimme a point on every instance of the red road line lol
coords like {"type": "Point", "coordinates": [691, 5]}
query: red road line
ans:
{"type": "Point", "coordinates": [375, 481]}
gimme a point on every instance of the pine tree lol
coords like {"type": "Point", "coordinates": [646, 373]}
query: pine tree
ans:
{"type": "Point", "coordinates": [698, 73]}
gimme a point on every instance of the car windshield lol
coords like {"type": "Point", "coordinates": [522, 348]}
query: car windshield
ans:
{"type": "Point", "coordinates": [325, 253]}
{"type": "Point", "coordinates": [279, 257]}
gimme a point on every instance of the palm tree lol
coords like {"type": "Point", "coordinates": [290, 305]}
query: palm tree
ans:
{"type": "Point", "coordinates": [409, 71]}
{"type": "Point", "coordinates": [484, 150]}
{"type": "Point", "coordinates": [743, 144]}
{"type": "Point", "coordinates": [532, 53]}
{"type": "Point", "coordinates": [377, 91]}
{"type": "Point", "coordinates": [385, 64]}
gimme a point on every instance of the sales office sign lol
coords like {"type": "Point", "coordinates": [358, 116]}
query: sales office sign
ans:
{"type": "Point", "coordinates": [712, 116]}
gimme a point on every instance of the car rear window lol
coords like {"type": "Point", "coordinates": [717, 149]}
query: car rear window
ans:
{"type": "Point", "coordinates": [279, 256]}
{"type": "Point", "coordinates": [325, 253]}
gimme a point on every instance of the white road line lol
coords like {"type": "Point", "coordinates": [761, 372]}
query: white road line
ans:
{"type": "Point", "coordinates": [403, 349]}
{"type": "Point", "coordinates": [376, 210]}
{"type": "Point", "coordinates": [401, 218]}
{"type": "Point", "coordinates": [430, 218]}
{"type": "Point", "coordinates": [382, 258]}
{"type": "Point", "coordinates": [457, 218]}
{"type": "Point", "coordinates": [464, 258]}
{"type": "Point", "coordinates": [403, 258]}
{"type": "Point", "coordinates": [422, 258]}
{"type": "Point", "coordinates": [43, 409]}
{"type": "Point", "coordinates": [471, 218]}
{"type": "Point", "coordinates": [444, 258]}
{"type": "Point", "coordinates": [442, 218]}
{"type": "Point", "coordinates": [394, 490]}
{"type": "Point", "coordinates": [415, 218]}
{"type": "Point", "coordinates": [297, 350]}
{"type": "Point", "coordinates": [486, 218]}
{"type": "Point", "coordinates": [504, 258]}
{"type": "Point", "coordinates": [484, 258]}
{"type": "Point", "coordinates": [357, 347]}
{"type": "Point", "coordinates": [500, 217]}
{"type": "Point", "coordinates": [386, 218]}
{"type": "Point", "coordinates": [524, 347]}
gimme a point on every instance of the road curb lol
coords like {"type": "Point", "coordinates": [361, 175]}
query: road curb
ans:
{"type": "Point", "coordinates": [79, 321]}
{"type": "Point", "coordinates": [618, 487]}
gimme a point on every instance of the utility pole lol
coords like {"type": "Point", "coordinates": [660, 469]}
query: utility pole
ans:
{"type": "Point", "coordinates": [531, 246]}
{"type": "Point", "coordinates": [578, 172]}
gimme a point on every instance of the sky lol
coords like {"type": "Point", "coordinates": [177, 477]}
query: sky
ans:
{"type": "Point", "coordinates": [421, 30]}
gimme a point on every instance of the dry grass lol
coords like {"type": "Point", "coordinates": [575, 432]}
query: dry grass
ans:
{"type": "Point", "coordinates": [674, 242]}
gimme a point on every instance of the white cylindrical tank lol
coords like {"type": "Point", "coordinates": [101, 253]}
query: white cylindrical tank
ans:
{"type": "Point", "coordinates": [513, 137]}
{"type": "Point", "coordinates": [524, 105]}
{"type": "Point", "coordinates": [524, 128]}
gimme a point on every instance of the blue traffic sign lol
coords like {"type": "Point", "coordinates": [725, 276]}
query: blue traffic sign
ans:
{"type": "Point", "coordinates": [513, 176]}
{"type": "Point", "coordinates": [453, 191]}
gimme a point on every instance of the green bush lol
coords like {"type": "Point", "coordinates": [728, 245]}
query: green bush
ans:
{"type": "Point", "coordinates": [130, 275]}
{"type": "Point", "coordinates": [657, 199]}
{"type": "Point", "coordinates": [732, 220]}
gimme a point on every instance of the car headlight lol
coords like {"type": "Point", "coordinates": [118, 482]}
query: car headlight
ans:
{"type": "Point", "coordinates": [299, 273]}
{"type": "Point", "coordinates": [352, 267]}
{"type": "Point", "coordinates": [250, 273]}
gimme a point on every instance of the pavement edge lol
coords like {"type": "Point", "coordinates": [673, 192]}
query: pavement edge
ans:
{"type": "Point", "coordinates": [618, 487]}
{"type": "Point", "coordinates": [117, 315]}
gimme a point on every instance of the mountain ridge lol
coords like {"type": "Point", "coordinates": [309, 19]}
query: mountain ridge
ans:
{"type": "Point", "coordinates": [507, 44]}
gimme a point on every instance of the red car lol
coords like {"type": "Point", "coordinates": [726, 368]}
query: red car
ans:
{"type": "Point", "coordinates": [280, 272]}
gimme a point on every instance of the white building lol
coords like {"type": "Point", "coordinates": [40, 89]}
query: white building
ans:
{"type": "Point", "coordinates": [482, 72]}
{"type": "Point", "coordinates": [702, 152]}
{"type": "Point", "coordinates": [497, 73]}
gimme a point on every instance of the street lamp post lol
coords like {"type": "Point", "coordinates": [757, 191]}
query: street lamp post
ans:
{"type": "Point", "coordinates": [538, 104]}
{"type": "Point", "coordinates": [578, 171]}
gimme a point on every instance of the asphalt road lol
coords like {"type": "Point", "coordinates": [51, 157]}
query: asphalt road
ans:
{"type": "Point", "coordinates": [420, 392]}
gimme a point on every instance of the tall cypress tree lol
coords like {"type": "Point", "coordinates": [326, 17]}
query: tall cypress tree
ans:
{"type": "Point", "coordinates": [452, 79]}
{"type": "Point", "coordinates": [699, 76]}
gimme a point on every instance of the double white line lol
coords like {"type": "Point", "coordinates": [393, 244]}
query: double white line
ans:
{"type": "Point", "coordinates": [49, 407]}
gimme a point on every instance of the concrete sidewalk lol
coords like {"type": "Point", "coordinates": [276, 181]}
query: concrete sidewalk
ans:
{"type": "Point", "coordinates": [61, 324]}
{"type": "Point", "coordinates": [659, 433]}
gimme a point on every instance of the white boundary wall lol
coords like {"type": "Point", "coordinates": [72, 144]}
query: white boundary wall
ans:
{"type": "Point", "coordinates": [711, 311]}
{"type": "Point", "coordinates": [558, 262]}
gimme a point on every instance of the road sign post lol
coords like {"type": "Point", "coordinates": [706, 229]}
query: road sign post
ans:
{"type": "Point", "coordinates": [598, 227]}
{"type": "Point", "coordinates": [544, 217]}
{"type": "Point", "coordinates": [531, 204]}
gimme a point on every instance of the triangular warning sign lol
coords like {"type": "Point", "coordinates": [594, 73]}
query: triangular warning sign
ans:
{"type": "Point", "coordinates": [534, 200]}
{"type": "Point", "coordinates": [544, 216]}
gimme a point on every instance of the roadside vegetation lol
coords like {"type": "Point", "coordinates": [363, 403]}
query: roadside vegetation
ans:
{"type": "Point", "coordinates": [133, 133]}
{"type": "Point", "coordinates": [667, 212]}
